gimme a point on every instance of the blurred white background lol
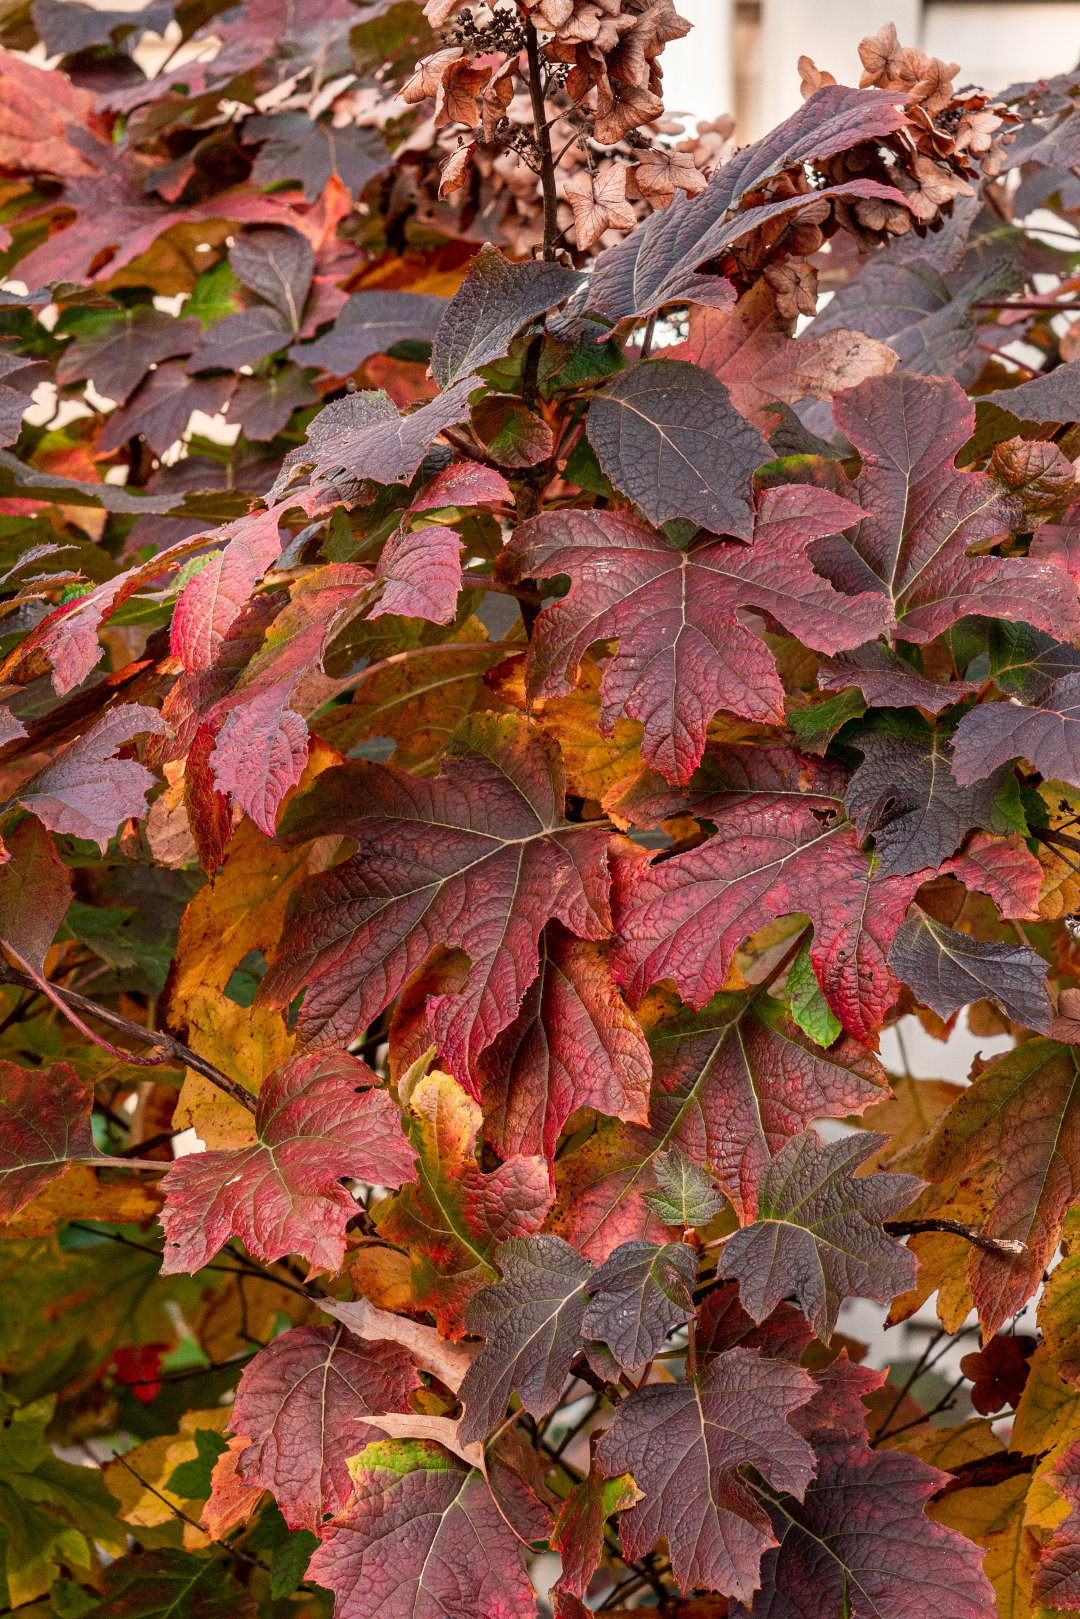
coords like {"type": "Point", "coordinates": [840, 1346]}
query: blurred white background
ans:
{"type": "Point", "coordinates": [742, 55]}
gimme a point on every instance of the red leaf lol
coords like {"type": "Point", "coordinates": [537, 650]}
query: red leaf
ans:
{"type": "Point", "coordinates": [1056, 1581]}
{"type": "Point", "coordinates": [424, 1536]}
{"type": "Point", "coordinates": [453, 1220]}
{"type": "Point", "coordinates": [317, 1121]}
{"type": "Point", "coordinates": [684, 1443]}
{"type": "Point", "coordinates": [1003, 868]}
{"type": "Point", "coordinates": [478, 858]}
{"type": "Point", "coordinates": [421, 574]}
{"type": "Point", "coordinates": [302, 1403]}
{"type": "Point", "coordinates": [87, 791]}
{"type": "Point", "coordinates": [262, 746]}
{"type": "Point", "coordinates": [685, 917]}
{"type": "Point", "coordinates": [35, 892]}
{"type": "Point", "coordinates": [859, 1540]}
{"type": "Point", "coordinates": [574, 1043]}
{"type": "Point", "coordinates": [212, 601]}
{"type": "Point", "coordinates": [44, 1123]}
{"type": "Point", "coordinates": [683, 651]}
{"type": "Point", "coordinates": [923, 515]}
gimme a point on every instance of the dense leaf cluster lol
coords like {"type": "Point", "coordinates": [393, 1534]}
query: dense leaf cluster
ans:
{"type": "Point", "coordinates": [497, 714]}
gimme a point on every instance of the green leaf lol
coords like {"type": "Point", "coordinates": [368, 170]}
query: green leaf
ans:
{"type": "Point", "coordinates": [70, 1601]}
{"type": "Point", "coordinates": [809, 1008]}
{"type": "Point", "coordinates": [817, 724]}
{"type": "Point", "coordinates": [687, 1196]}
{"type": "Point", "coordinates": [215, 295]}
{"type": "Point", "coordinates": [192, 1480]}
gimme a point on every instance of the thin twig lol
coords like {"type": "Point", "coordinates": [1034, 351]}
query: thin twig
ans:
{"type": "Point", "coordinates": [1004, 1246]}
{"type": "Point", "coordinates": [70, 1002]}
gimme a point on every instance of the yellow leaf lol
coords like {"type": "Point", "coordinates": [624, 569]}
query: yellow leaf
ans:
{"type": "Point", "coordinates": [130, 1478]}
{"type": "Point", "coordinates": [1049, 1411]}
{"type": "Point", "coordinates": [993, 1516]}
{"type": "Point", "coordinates": [950, 1448]}
{"type": "Point", "coordinates": [943, 1259]}
{"type": "Point", "coordinates": [594, 763]}
{"type": "Point", "coordinates": [81, 1194]}
{"type": "Point", "coordinates": [383, 1276]}
{"type": "Point", "coordinates": [906, 1119]}
{"type": "Point", "coordinates": [244, 908]}
{"type": "Point", "coordinates": [231, 1501]}
{"type": "Point", "coordinates": [1059, 894]}
{"type": "Point", "coordinates": [418, 703]}
{"type": "Point", "coordinates": [245, 1042]}
{"type": "Point", "coordinates": [244, 1312]}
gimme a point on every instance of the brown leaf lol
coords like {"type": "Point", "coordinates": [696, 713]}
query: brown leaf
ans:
{"type": "Point", "coordinates": [455, 102]}
{"type": "Point", "coordinates": [660, 174]}
{"type": "Point", "coordinates": [455, 169]}
{"type": "Point", "coordinates": [621, 108]}
{"type": "Point", "coordinates": [599, 203]}
{"type": "Point", "coordinates": [811, 78]}
{"type": "Point", "coordinates": [428, 78]}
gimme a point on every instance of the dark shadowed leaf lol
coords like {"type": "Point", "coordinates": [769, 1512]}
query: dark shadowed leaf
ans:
{"type": "Point", "coordinates": [684, 653]}
{"type": "Point", "coordinates": [263, 405]}
{"type": "Point", "coordinates": [171, 1584]}
{"type": "Point", "coordinates": [667, 435]}
{"type": "Point", "coordinates": [946, 969]}
{"type": "Point", "coordinates": [423, 1537]}
{"type": "Point", "coordinates": [319, 1119]}
{"type": "Point", "coordinates": [924, 316]}
{"type": "Point", "coordinates": [886, 681]}
{"type": "Point", "coordinates": [364, 435]}
{"type": "Point", "coordinates": [161, 409]}
{"type": "Point", "coordinates": [302, 1403]}
{"type": "Point", "coordinates": [860, 1541]}
{"type": "Point", "coordinates": [493, 302]}
{"type": "Point", "coordinates": [818, 1232]}
{"type": "Point", "coordinates": [905, 795]}
{"type": "Point", "coordinates": [1053, 398]}
{"type": "Point", "coordinates": [481, 859]}
{"type": "Point", "coordinates": [531, 1323]}
{"type": "Point", "coordinates": [277, 264]}
{"type": "Point", "coordinates": [656, 263]}
{"type": "Point", "coordinates": [241, 339]}
{"type": "Point", "coordinates": [294, 148]}
{"type": "Point", "coordinates": [1047, 736]}
{"type": "Point", "coordinates": [44, 1123]}
{"type": "Point", "coordinates": [639, 1294]}
{"type": "Point", "coordinates": [684, 1444]}
{"type": "Point", "coordinates": [87, 791]}
{"type": "Point", "coordinates": [1024, 1113]}
{"type": "Point", "coordinates": [120, 348]}
{"type": "Point", "coordinates": [371, 323]}
{"type": "Point", "coordinates": [1024, 661]}
{"type": "Point", "coordinates": [35, 892]}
